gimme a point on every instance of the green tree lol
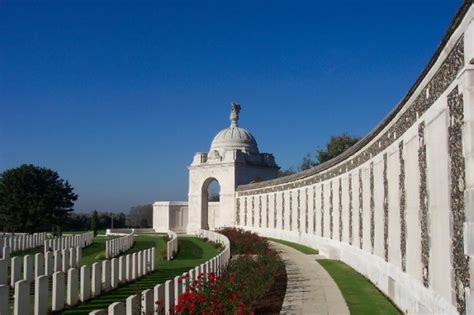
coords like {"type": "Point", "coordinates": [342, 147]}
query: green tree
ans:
{"type": "Point", "coordinates": [94, 221]}
{"type": "Point", "coordinates": [335, 146]}
{"type": "Point", "coordinates": [34, 198]}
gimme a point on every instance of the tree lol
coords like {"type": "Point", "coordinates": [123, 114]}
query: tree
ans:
{"type": "Point", "coordinates": [34, 198]}
{"type": "Point", "coordinates": [141, 216]}
{"type": "Point", "coordinates": [94, 221]}
{"type": "Point", "coordinates": [335, 146]}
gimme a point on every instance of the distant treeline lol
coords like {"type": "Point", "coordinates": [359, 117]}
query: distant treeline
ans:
{"type": "Point", "coordinates": [138, 217]}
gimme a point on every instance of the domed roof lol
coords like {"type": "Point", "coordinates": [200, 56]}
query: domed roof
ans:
{"type": "Point", "coordinates": [234, 137]}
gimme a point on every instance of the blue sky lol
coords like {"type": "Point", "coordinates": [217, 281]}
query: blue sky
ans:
{"type": "Point", "coordinates": [118, 96]}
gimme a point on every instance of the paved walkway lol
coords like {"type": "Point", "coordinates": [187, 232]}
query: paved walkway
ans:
{"type": "Point", "coordinates": [310, 289]}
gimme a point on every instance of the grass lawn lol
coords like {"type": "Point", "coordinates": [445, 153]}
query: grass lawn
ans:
{"type": "Point", "coordinates": [361, 296]}
{"type": "Point", "coordinates": [302, 248]}
{"type": "Point", "coordinates": [192, 252]}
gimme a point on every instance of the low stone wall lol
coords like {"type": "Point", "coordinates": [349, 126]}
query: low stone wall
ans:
{"type": "Point", "coordinates": [399, 204]}
{"type": "Point", "coordinates": [171, 245]}
{"type": "Point", "coordinates": [169, 292]}
{"type": "Point", "coordinates": [118, 246]}
{"type": "Point", "coordinates": [70, 284]}
{"type": "Point", "coordinates": [68, 241]}
{"type": "Point", "coordinates": [22, 241]}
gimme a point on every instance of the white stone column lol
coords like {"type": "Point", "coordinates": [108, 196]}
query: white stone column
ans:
{"type": "Point", "coordinates": [96, 277]}
{"type": "Point", "coordinates": [133, 305]}
{"type": "Point", "coordinates": [85, 283]}
{"type": "Point", "coordinates": [115, 273]}
{"type": "Point", "coordinates": [41, 295]}
{"type": "Point", "coordinates": [28, 265]}
{"type": "Point", "coordinates": [106, 275]}
{"type": "Point", "coordinates": [117, 308]}
{"type": "Point", "coordinates": [22, 298]}
{"type": "Point", "coordinates": [16, 273]}
{"type": "Point", "coordinates": [147, 302]}
{"type": "Point", "coordinates": [58, 291]}
{"type": "Point", "coordinates": [39, 265]}
{"type": "Point", "coordinates": [4, 299]}
{"type": "Point", "coordinates": [122, 269]}
{"type": "Point", "coordinates": [72, 286]}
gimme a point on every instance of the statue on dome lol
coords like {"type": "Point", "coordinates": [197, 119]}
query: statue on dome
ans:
{"type": "Point", "coordinates": [234, 115]}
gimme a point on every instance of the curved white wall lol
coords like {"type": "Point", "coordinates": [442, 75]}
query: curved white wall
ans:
{"type": "Point", "coordinates": [397, 205]}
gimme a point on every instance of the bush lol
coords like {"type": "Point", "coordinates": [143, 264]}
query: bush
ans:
{"type": "Point", "coordinates": [247, 279]}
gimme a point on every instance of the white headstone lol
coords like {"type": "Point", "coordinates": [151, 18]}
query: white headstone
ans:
{"type": "Point", "coordinates": [96, 278]}
{"type": "Point", "coordinates": [106, 270]}
{"type": "Point", "coordinates": [3, 299]}
{"type": "Point", "coordinates": [122, 269]}
{"type": "Point", "coordinates": [39, 265]}
{"type": "Point", "coordinates": [115, 273]}
{"type": "Point", "coordinates": [16, 273]}
{"type": "Point", "coordinates": [169, 296]}
{"type": "Point", "coordinates": [117, 308]}
{"type": "Point", "coordinates": [41, 295]}
{"type": "Point", "coordinates": [49, 263]}
{"type": "Point", "coordinates": [133, 305]}
{"type": "Point", "coordinates": [129, 267]}
{"type": "Point", "coordinates": [58, 291]}
{"type": "Point", "coordinates": [72, 286]}
{"type": "Point", "coordinates": [147, 302]}
{"type": "Point", "coordinates": [22, 298]}
{"type": "Point", "coordinates": [3, 271]}
{"type": "Point", "coordinates": [28, 268]}
{"type": "Point", "coordinates": [85, 283]}
{"type": "Point", "coordinates": [159, 297]}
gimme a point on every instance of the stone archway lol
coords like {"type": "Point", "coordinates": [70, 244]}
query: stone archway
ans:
{"type": "Point", "coordinates": [209, 209]}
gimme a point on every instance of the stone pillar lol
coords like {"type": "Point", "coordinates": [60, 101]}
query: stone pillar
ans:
{"type": "Point", "coordinates": [133, 305]}
{"type": "Point", "coordinates": [122, 269]}
{"type": "Point", "coordinates": [129, 267]}
{"type": "Point", "coordinates": [3, 271]}
{"type": "Point", "coordinates": [115, 273]}
{"type": "Point", "coordinates": [39, 265]}
{"type": "Point", "coordinates": [72, 282]}
{"type": "Point", "coordinates": [58, 291]}
{"type": "Point", "coordinates": [28, 268]}
{"type": "Point", "coordinates": [41, 295]}
{"type": "Point", "coordinates": [16, 274]}
{"type": "Point", "coordinates": [22, 298]}
{"type": "Point", "coordinates": [117, 308]}
{"type": "Point", "coordinates": [106, 275]}
{"type": "Point", "coordinates": [49, 263]}
{"type": "Point", "coordinates": [159, 296]}
{"type": "Point", "coordinates": [169, 297]}
{"type": "Point", "coordinates": [4, 299]}
{"type": "Point", "coordinates": [57, 260]}
{"type": "Point", "coordinates": [147, 302]}
{"type": "Point", "coordinates": [85, 283]}
{"type": "Point", "coordinates": [96, 277]}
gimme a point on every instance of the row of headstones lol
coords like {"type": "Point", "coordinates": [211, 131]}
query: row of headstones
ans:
{"type": "Point", "coordinates": [171, 245]}
{"type": "Point", "coordinates": [68, 241]}
{"type": "Point", "coordinates": [164, 297]}
{"type": "Point", "coordinates": [117, 246]}
{"type": "Point", "coordinates": [22, 242]}
{"type": "Point", "coordinates": [30, 267]}
{"type": "Point", "coordinates": [68, 288]}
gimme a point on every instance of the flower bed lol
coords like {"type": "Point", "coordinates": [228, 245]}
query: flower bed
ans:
{"type": "Point", "coordinates": [253, 276]}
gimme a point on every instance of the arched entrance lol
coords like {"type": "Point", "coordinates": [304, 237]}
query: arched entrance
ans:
{"type": "Point", "coordinates": [210, 203]}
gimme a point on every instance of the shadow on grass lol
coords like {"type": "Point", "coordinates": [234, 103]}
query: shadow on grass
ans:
{"type": "Point", "coordinates": [189, 250]}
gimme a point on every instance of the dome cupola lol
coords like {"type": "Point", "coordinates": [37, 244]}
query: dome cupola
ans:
{"type": "Point", "coordinates": [234, 137]}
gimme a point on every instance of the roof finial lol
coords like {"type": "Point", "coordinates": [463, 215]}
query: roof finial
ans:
{"type": "Point", "coordinates": [234, 115]}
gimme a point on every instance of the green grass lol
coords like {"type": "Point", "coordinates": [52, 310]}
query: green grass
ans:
{"type": "Point", "coordinates": [361, 296]}
{"type": "Point", "coordinates": [192, 252]}
{"type": "Point", "coordinates": [302, 248]}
